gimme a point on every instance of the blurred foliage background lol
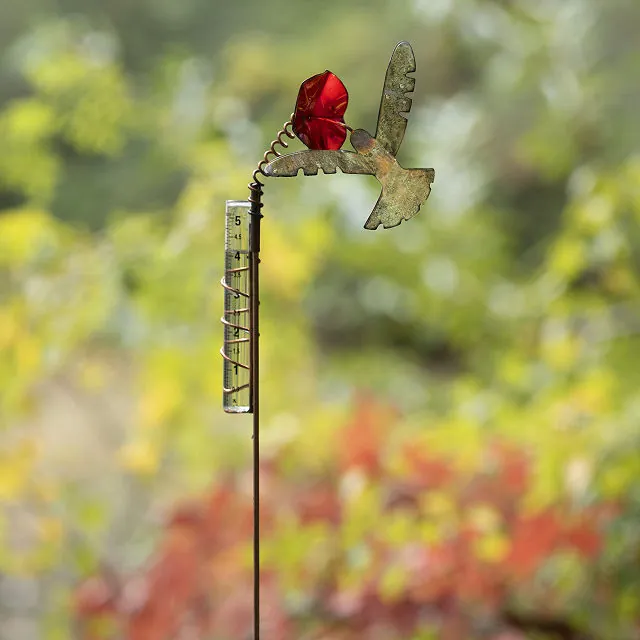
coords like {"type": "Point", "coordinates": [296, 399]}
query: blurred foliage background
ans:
{"type": "Point", "coordinates": [505, 312]}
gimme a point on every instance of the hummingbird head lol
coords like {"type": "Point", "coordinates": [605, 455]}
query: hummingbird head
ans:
{"type": "Point", "coordinates": [362, 141]}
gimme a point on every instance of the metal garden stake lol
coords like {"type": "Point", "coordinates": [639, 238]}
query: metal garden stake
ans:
{"type": "Point", "coordinates": [319, 123]}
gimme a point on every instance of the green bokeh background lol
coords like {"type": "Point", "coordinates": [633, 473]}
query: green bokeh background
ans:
{"type": "Point", "coordinates": [509, 305]}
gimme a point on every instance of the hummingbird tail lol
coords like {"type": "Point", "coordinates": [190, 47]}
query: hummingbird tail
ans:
{"type": "Point", "coordinates": [401, 200]}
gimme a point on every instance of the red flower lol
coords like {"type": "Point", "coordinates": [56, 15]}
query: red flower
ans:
{"type": "Point", "coordinates": [96, 596]}
{"type": "Point", "coordinates": [318, 118]}
{"type": "Point", "coordinates": [361, 441]}
{"type": "Point", "coordinates": [533, 539]}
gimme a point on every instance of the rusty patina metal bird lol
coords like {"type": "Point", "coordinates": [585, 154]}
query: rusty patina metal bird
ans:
{"type": "Point", "coordinates": [404, 191]}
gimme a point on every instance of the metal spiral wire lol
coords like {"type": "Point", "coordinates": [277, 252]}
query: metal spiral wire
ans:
{"type": "Point", "coordinates": [255, 197]}
{"type": "Point", "coordinates": [234, 325]}
{"type": "Point", "coordinates": [256, 185]}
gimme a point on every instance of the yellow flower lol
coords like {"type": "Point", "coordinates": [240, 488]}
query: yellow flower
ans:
{"type": "Point", "coordinates": [140, 457]}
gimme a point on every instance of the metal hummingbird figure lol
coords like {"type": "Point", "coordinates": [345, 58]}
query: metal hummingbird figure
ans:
{"type": "Point", "coordinates": [404, 191]}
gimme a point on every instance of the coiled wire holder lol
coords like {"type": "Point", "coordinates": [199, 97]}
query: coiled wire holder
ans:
{"type": "Point", "coordinates": [231, 320]}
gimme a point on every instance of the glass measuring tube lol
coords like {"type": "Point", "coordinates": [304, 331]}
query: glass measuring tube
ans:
{"type": "Point", "coordinates": [235, 351]}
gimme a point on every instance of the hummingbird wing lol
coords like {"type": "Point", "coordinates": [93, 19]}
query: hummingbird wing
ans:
{"type": "Point", "coordinates": [312, 161]}
{"type": "Point", "coordinates": [394, 103]}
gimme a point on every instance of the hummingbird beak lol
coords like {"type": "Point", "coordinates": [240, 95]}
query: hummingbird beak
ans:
{"type": "Point", "coordinates": [362, 141]}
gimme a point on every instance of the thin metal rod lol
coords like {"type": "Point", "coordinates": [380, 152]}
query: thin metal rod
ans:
{"type": "Point", "coordinates": [254, 310]}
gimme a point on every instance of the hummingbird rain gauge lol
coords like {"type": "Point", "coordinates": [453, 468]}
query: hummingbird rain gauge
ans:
{"type": "Point", "coordinates": [318, 121]}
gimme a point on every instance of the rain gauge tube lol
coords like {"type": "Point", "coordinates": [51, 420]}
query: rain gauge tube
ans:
{"type": "Point", "coordinates": [235, 351]}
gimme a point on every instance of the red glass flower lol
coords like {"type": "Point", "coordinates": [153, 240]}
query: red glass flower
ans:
{"type": "Point", "coordinates": [318, 118]}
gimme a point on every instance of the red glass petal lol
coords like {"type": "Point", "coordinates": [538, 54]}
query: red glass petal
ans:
{"type": "Point", "coordinates": [318, 118]}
